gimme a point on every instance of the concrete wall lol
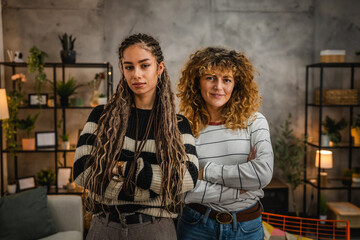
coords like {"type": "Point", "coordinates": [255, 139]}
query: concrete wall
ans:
{"type": "Point", "coordinates": [280, 36]}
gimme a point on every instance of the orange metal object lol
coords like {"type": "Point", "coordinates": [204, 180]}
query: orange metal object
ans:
{"type": "Point", "coordinates": [309, 227]}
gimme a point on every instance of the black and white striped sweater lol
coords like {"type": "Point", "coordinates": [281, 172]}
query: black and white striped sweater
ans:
{"type": "Point", "coordinates": [146, 198]}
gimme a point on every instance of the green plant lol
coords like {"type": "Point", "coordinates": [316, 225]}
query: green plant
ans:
{"type": "Point", "coordinates": [36, 63]}
{"type": "Point", "coordinates": [323, 206]}
{"type": "Point", "coordinates": [289, 152]}
{"type": "Point", "coordinates": [27, 124]}
{"type": "Point", "coordinates": [45, 177]}
{"type": "Point", "coordinates": [67, 41]}
{"type": "Point", "coordinates": [68, 88]}
{"type": "Point", "coordinates": [14, 99]}
{"type": "Point", "coordinates": [333, 128]}
{"type": "Point", "coordinates": [102, 95]}
{"type": "Point", "coordinates": [64, 137]}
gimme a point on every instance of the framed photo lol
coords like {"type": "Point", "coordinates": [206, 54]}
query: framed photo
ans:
{"type": "Point", "coordinates": [45, 139]}
{"type": "Point", "coordinates": [26, 183]}
{"type": "Point", "coordinates": [35, 100]}
{"type": "Point", "coordinates": [63, 175]}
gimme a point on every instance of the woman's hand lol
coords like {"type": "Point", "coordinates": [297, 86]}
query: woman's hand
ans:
{"type": "Point", "coordinates": [118, 169]}
{"type": "Point", "coordinates": [252, 154]}
{"type": "Point", "coordinates": [201, 174]}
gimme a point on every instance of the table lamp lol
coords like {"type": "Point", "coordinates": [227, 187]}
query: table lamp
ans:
{"type": "Point", "coordinates": [326, 163]}
{"type": "Point", "coordinates": [4, 114]}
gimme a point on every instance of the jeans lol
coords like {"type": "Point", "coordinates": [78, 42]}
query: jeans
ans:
{"type": "Point", "coordinates": [193, 225]}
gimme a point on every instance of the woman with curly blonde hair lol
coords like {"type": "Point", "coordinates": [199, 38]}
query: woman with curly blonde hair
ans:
{"type": "Point", "coordinates": [220, 98]}
{"type": "Point", "coordinates": [135, 156]}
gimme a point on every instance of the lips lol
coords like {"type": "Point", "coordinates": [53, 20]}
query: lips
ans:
{"type": "Point", "coordinates": [138, 85]}
{"type": "Point", "coordinates": [217, 95]}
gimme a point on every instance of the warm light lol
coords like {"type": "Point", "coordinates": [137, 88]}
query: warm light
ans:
{"type": "Point", "coordinates": [4, 111]}
{"type": "Point", "coordinates": [326, 159]}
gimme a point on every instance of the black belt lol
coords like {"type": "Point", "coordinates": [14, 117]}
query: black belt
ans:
{"type": "Point", "coordinates": [130, 219]}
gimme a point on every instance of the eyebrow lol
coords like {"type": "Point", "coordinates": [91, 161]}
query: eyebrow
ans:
{"type": "Point", "coordinates": [228, 76]}
{"type": "Point", "coordinates": [141, 61]}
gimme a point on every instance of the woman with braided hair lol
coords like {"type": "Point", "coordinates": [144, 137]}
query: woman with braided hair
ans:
{"type": "Point", "coordinates": [135, 157]}
{"type": "Point", "coordinates": [219, 97]}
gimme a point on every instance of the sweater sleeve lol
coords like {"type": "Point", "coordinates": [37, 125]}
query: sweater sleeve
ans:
{"type": "Point", "coordinates": [207, 192]}
{"type": "Point", "coordinates": [251, 175]}
{"type": "Point", "coordinates": [152, 172]}
{"type": "Point", "coordinates": [84, 146]}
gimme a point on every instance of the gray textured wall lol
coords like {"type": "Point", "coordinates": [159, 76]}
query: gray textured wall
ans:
{"type": "Point", "coordinates": [280, 37]}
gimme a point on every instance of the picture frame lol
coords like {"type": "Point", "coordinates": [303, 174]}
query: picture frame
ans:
{"type": "Point", "coordinates": [63, 175]}
{"type": "Point", "coordinates": [26, 183]}
{"type": "Point", "coordinates": [45, 139]}
{"type": "Point", "coordinates": [35, 101]}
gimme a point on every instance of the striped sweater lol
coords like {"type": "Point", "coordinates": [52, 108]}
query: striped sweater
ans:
{"type": "Point", "coordinates": [223, 154]}
{"type": "Point", "coordinates": [148, 177]}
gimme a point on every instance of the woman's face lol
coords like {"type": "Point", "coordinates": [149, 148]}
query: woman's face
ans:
{"type": "Point", "coordinates": [216, 88]}
{"type": "Point", "coordinates": [141, 71]}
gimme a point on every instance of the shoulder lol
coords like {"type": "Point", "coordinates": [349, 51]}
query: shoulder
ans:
{"type": "Point", "coordinates": [183, 124]}
{"type": "Point", "coordinates": [96, 113]}
{"type": "Point", "coordinates": [259, 121]}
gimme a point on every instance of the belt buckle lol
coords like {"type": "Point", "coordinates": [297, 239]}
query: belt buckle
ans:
{"type": "Point", "coordinates": [226, 213]}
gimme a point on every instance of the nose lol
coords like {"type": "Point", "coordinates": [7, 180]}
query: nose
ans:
{"type": "Point", "coordinates": [137, 73]}
{"type": "Point", "coordinates": [218, 84]}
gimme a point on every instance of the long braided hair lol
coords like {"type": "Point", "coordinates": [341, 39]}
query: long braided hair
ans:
{"type": "Point", "coordinates": [110, 134]}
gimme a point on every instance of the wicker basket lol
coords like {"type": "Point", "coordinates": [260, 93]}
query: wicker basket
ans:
{"type": "Point", "coordinates": [332, 58]}
{"type": "Point", "coordinates": [337, 97]}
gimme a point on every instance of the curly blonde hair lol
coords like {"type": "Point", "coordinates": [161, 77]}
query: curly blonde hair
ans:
{"type": "Point", "coordinates": [239, 111]}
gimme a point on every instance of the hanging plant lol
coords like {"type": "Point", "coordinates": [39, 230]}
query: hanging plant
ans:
{"type": "Point", "coordinates": [15, 100]}
{"type": "Point", "coordinates": [36, 63]}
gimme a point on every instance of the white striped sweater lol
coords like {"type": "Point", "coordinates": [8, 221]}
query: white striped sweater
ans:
{"type": "Point", "coordinates": [223, 154]}
{"type": "Point", "coordinates": [148, 177]}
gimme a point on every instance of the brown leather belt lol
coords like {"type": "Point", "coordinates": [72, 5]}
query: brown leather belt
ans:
{"type": "Point", "coordinates": [224, 217]}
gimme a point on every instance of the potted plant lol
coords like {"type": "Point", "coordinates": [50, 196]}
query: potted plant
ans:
{"type": "Point", "coordinates": [68, 55]}
{"type": "Point", "coordinates": [323, 208]}
{"type": "Point", "coordinates": [355, 130]}
{"type": "Point", "coordinates": [333, 128]}
{"type": "Point", "coordinates": [102, 99]}
{"type": "Point", "coordinates": [12, 186]}
{"type": "Point", "coordinates": [35, 63]}
{"type": "Point", "coordinates": [65, 141]}
{"type": "Point", "coordinates": [27, 124]}
{"type": "Point", "coordinates": [289, 152]}
{"type": "Point", "coordinates": [66, 89]}
{"type": "Point", "coordinates": [346, 176]}
{"type": "Point", "coordinates": [45, 177]}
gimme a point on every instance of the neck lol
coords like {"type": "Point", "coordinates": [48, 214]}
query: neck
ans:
{"type": "Point", "coordinates": [144, 102]}
{"type": "Point", "coordinates": [216, 115]}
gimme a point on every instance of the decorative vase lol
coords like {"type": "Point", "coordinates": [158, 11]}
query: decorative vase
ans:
{"type": "Point", "coordinates": [66, 145]}
{"type": "Point", "coordinates": [322, 217]}
{"type": "Point", "coordinates": [28, 144]}
{"type": "Point", "coordinates": [102, 100]}
{"type": "Point", "coordinates": [64, 101]}
{"type": "Point", "coordinates": [94, 101]}
{"type": "Point", "coordinates": [68, 56]}
{"type": "Point", "coordinates": [11, 188]}
{"type": "Point", "coordinates": [71, 186]}
{"type": "Point", "coordinates": [355, 133]}
{"type": "Point", "coordinates": [325, 140]}
{"type": "Point", "coordinates": [77, 102]}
